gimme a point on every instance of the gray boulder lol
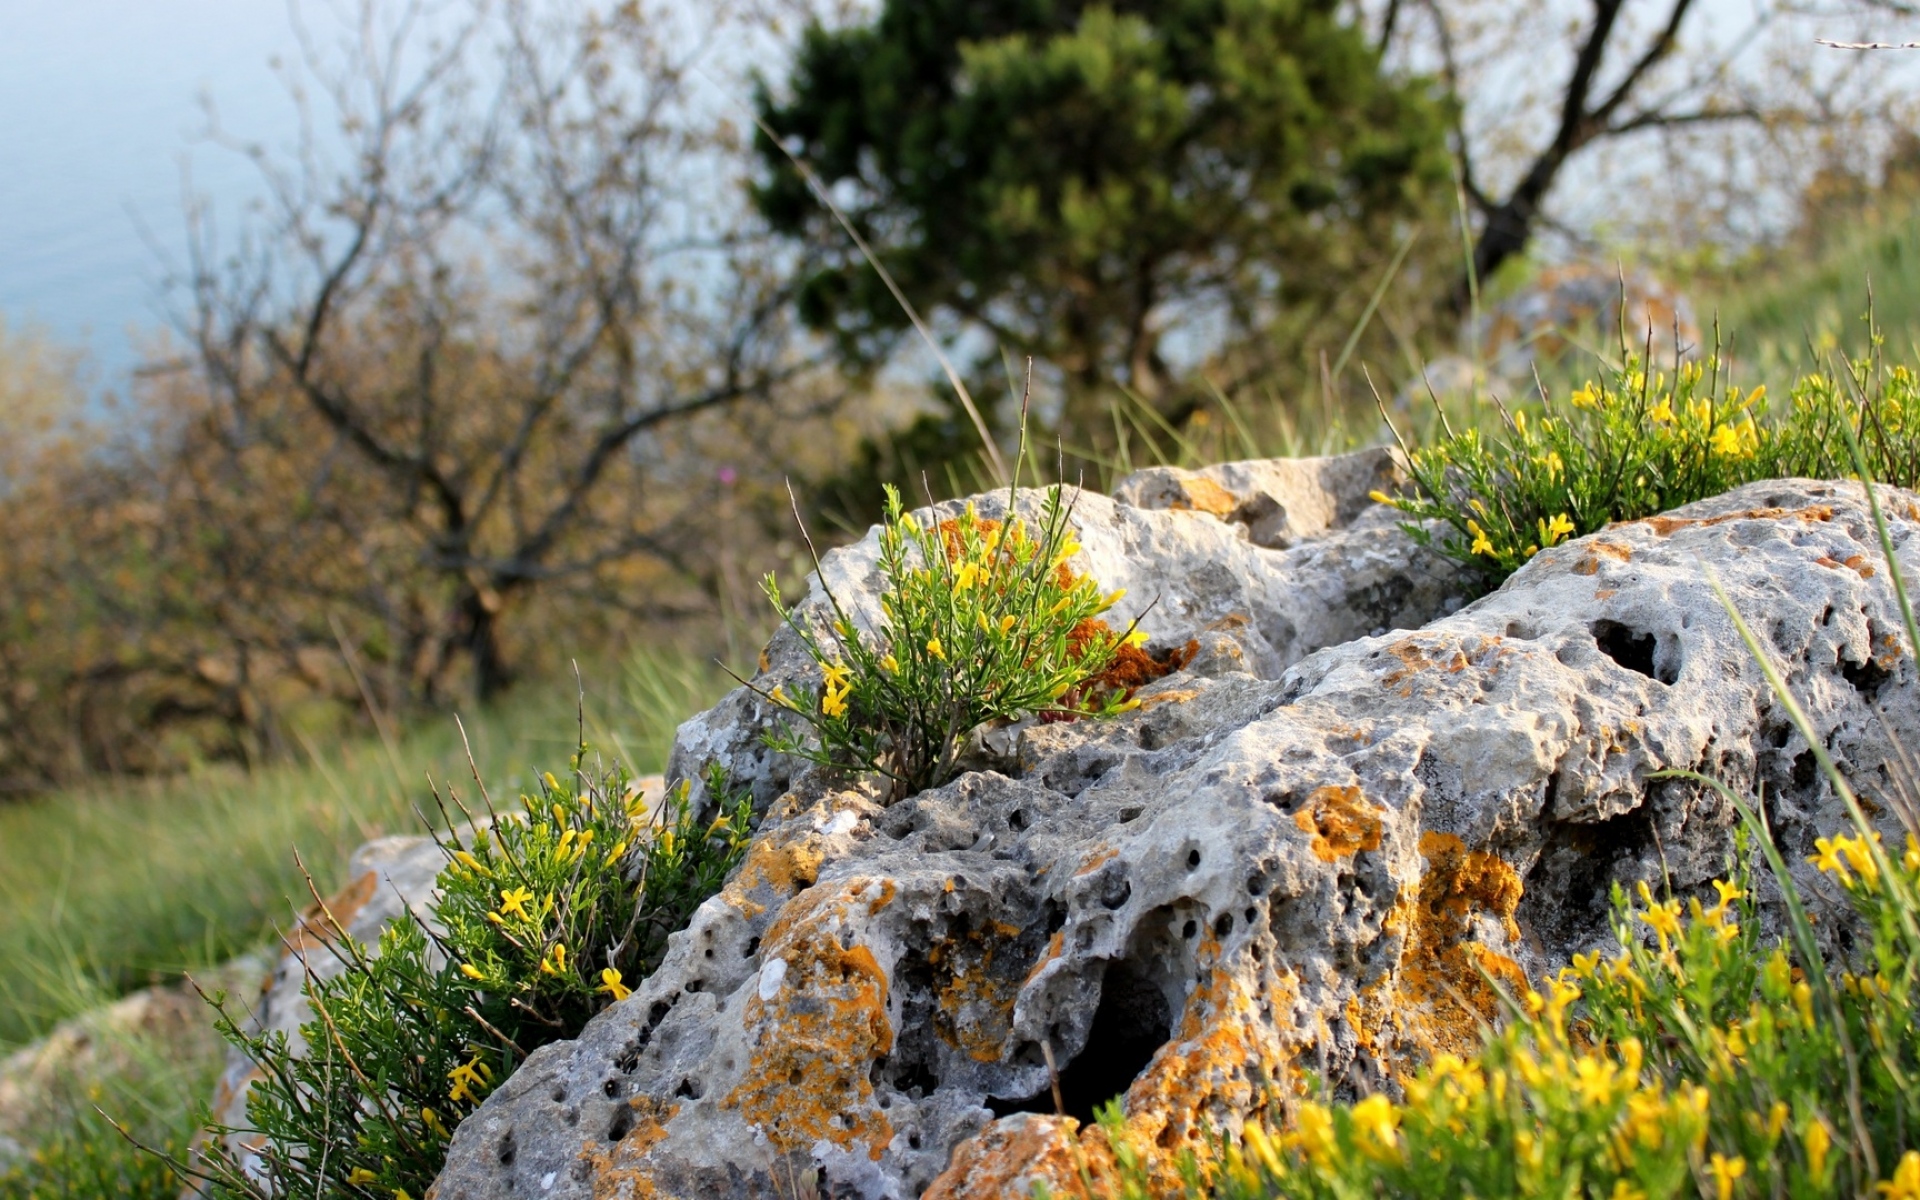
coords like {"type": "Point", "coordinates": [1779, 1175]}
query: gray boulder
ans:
{"type": "Point", "coordinates": [1306, 854]}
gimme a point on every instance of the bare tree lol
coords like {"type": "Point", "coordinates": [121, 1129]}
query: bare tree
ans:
{"type": "Point", "coordinates": [1543, 84]}
{"type": "Point", "coordinates": [502, 268]}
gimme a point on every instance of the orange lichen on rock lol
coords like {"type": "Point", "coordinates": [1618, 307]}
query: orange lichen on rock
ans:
{"type": "Point", "coordinates": [1342, 821]}
{"type": "Point", "coordinates": [320, 923]}
{"type": "Point", "coordinates": [818, 1030]}
{"type": "Point", "coordinates": [1589, 563]}
{"type": "Point", "coordinates": [1664, 526]}
{"type": "Point", "coordinates": [1226, 1063]}
{"type": "Point", "coordinates": [1012, 1157]}
{"type": "Point", "coordinates": [1417, 659]}
{"type": "Point", "coordinates": [974, 1002]}
{"type": "Point", "coordinates": [775, 871]}
{"type": "Point", "coordinates": [1443, 972]}
{"type": "Point", "coordinates": [619, 1172]}
{"type": "Point", "coordinates": [1200, 494]}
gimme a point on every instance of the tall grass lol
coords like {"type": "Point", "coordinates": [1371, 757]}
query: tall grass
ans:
{"type": "Point", "coordinates": [121, 884]}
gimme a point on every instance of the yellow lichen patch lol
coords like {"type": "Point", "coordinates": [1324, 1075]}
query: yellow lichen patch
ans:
{"type": "Point", "coordinates": [619, 1172]}
{"type": "Point", "coordinates": [1441, 972]}
{"type": "Point", "coordinates": [1011, 1158]}
{"type": "Point", "coordinates": [1178, 697]}
{"type": "Point", "coordinates": [1342, 821]}
{"type": "Point", "coordinates": [817, 1034]}
{"type": "Point", "coordinates": [1415, 659]}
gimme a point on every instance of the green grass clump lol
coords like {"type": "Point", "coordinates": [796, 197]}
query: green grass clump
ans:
{"type": "Point", "coordinates": [981, 620]}
{"type": "Point", "coordinates": [549, 916]}
{"type": "Point", "coordinates": [1641, 442]}
{"type": "Point", "coordinates": [126, 883]}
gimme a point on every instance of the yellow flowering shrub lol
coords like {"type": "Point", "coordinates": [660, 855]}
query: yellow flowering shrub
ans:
{"type": "Point", "coordinates": [551, 913]}
{"type": "Point", "coordinates": [980, 620]}
{"type": "Point", "coordinates": [1642, 441]}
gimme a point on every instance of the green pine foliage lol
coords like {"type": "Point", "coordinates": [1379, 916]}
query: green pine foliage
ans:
{"type": "Point", "coordinates": [1062, 173]}
{"type": "Point", "coordinates": [551, 914]}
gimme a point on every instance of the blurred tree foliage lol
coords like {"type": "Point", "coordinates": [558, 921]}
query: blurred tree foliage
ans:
{"type": "Point", "coordinates": [488, 383]}
{"type": "Point", "coordinates": [1119, 189]}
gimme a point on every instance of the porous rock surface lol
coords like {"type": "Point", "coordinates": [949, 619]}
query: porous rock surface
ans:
{"type": "Point", "coordinates": [1282, 863]}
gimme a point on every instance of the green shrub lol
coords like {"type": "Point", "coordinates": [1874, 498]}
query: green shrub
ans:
{"type": "Point", "coordinates": [91, 1161]}
{"type": "Point", "coordinates": [550, 915]}
{"type": "Point", "coordinates": [1636, 444]}
{"type": "Point", "coordinates": [980, 621]}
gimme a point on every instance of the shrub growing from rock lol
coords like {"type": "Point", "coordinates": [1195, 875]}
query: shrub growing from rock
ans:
{"type": "Point", "coordinates": [1641, 442]}
{"type": "Point", "coordinates": [549, 915]}
{"type": "Point", "coordinates": [982, 620]}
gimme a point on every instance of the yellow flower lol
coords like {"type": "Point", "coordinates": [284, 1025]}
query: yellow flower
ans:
{"type": "Point", "coordinates": [1664, 918]}
{"type": "Point", "coordinates": [513, 901]}
{"type": "Point", "coordinates": [1137, 638]}
{"type": "Point", "coordinates": [469, 1081]}
{"type": "Point", "coordinates": [556, 960]}
{"type": "Point", "coordinates": [1313, 1132]}
{"type": "Point", "coordinates": [470, 862]}
{"type": "Point", "coordinates": [1110, 599]}
{"type": "Point", "coordinates": [1832, 856]}
{"type": "Point", "coordinates": [432, 1120]}
{"type": "Point", "coordinates": [613, 855]}
{"type": "Point", "coordinates": [471, 971]}
{"type": "Point", "coordinates": [1556, 529]}
{"type": "Point", "coordinates": [832, 703]}
{"type": "Point", "coordinates": [1622, 1190]}
{"type": "Point", "coordinates": [835, 674]}
{"type": "Point", "coordinates": [1661, 413]}
{"type": "Point", "coordinates": [1379, 497]}
{"type": "Point", "coordinates": [965, 579]}
{"type": "Point", "coordinates": [1725, 1170]}
{"type": "Point", "coordinates": [1905, 1184]}
{"type": "Point", "coordinates": [1586, 397]}
{"type": "Point", "coordinates": [611, 985]}
{"type": "Point", "coordinates": [779, 696]}
{"type": "Point", "coordinates": [360, 1177]}
{"type": "Point", "coordinates": [891, 664]}
{"type": "Point", "coordinates": [1520, 423]}
{"type": "Point", "coordinates": [1818, 1140]}
{"type": "Point", "coordinates": [1006, 624]}
{"type": "Point", "coordinates": [1481, 543]}
{"type": "Point", "coordinates": [1377, 1121]}
{"type": "Point", "coordinates": [934, 648]}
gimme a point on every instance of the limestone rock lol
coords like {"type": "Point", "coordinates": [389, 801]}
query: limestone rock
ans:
{"type": "Point", "coordinates": [1189, 572]}
{"type": "Point", "coordinates": [1288, 863]}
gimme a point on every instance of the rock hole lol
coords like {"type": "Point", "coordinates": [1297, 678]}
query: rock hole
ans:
{"type": "Point", "coordinates": [1130, 813]}
{"type": "Point", "coordinates": [1628, 647]}
{"type": "Point", "coordinates": [508, 1151]}
{"type": "Point", "coordinates": [1257, 883]}
{"type": "Point", "coordinates": [796, 1077]}
{"type": "Point", "coordinates": [913, 1141]}
{"type": "Point", "coordinates": [1223, 925]}
{"type": "Point", "coordinates": [1130, 1024]}
{"type": "Point", "coordinates": [1806, 770]}
{"type": "Point", "coordinates": [622, 1124]}
{"type": "Point", "coordinates": [1189, 929]}
{"type": "Point", "coordinates": [611, 1088]}
{"type": "Point", "coordinates": [1867, 678]}
{"type": "Point", "coordinates": [1115, 898]}
{"type": "Point", "coordinates": [694, 985]}
{"type": "Point", "coordinates": [1193, 859]}
{"type": "Point", "coordinates": [688, 1089]}
{"type": "Point", "coordinates": [1779, 735]}
{"type": "Point", "coordinates": [1017, 821]}
{"type": "Point", "coordinates": [559, 1095]}
{"type": "Point", "coordinates": [1565, 895]}
{"type": "Point", "coordinates": [753, 948]}
{"type": "Point", "coordinates": [1250, 916]}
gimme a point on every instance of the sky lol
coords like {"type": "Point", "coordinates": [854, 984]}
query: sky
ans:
{"type": "Point", "coordinates": [102, 109]}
